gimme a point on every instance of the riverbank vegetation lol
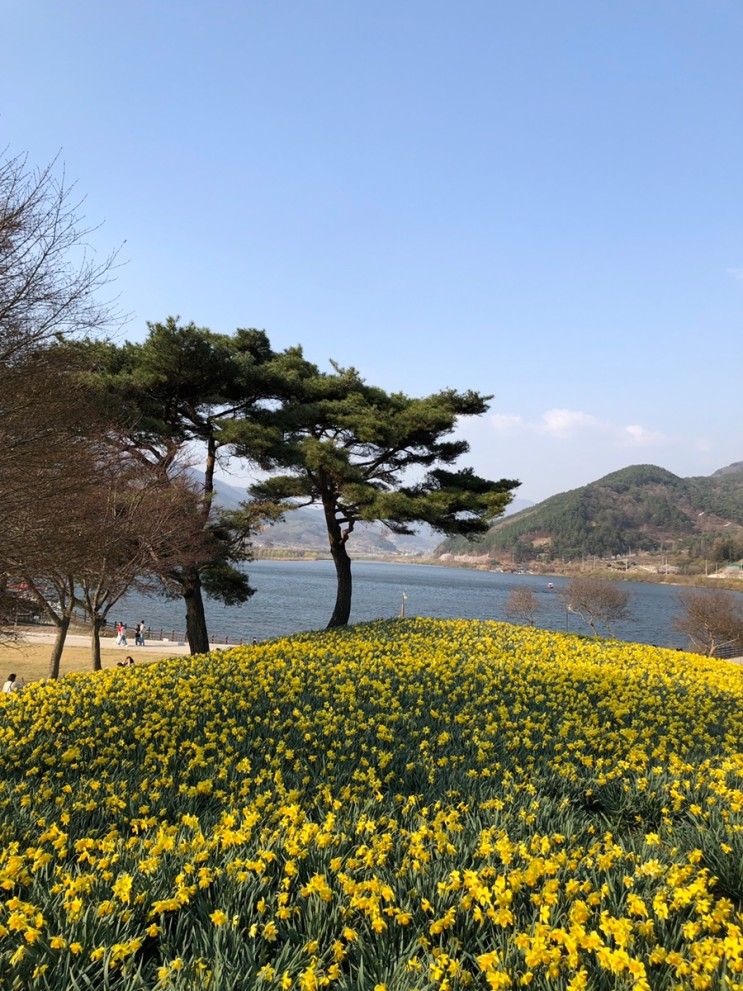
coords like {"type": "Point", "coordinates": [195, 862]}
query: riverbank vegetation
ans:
{"type": "Point", "coordinates": [406, 805]}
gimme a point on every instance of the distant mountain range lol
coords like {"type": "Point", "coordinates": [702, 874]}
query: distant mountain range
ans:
{"type": "Point", "coordinates": [304, 530]}
{"type": "Point", "coordinates": [639, 508]}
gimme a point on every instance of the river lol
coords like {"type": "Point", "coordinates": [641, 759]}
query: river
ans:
{"type": "Point", "coordinates": [292, 596]}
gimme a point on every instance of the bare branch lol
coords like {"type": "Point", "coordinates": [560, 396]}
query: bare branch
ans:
{"type": "Point", "coordinates": [712, 619]}
{"type": "Point", "coordinates": [596, 601]}
{"type": "Point", "coordinates": [49, 280]}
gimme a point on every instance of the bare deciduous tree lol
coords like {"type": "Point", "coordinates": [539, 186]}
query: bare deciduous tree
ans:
{"type": "Point", "coordinates": [49, 286]}
{"type": "Point", "coordinates": [47, 461]}
{"type": "Point", "coordinates": [596, 601]}
{"type": "Point", "coordinates": [49, 280]}
{"type": "Point", "coordinates": [80, 520]}
{"type": "Point", "coordinates": [712, 619]}
{"type": "Point", "coordinates": [145, 524]}
{"type": "Point", "coordinates": [56, 595]}
{"type": "Point", "coordinates": [522, 606]}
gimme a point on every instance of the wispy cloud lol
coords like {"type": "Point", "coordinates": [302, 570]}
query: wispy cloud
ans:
{"type": "Point", "coordinates": [737, 273]}
{"type": "Point", "coordinates": [506, 423]}
{"type": "Point", "coordinates": [639, 436]}
{"type": "Point", "coordinates": [569, 424]}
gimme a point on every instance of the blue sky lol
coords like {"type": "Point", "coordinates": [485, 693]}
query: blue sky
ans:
{"type": "Point", "coordinates": [538, 200]}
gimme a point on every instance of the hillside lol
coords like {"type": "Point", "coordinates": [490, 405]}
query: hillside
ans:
{"type": "Point", "coordinates": [358, 809]}
{"type": "Point", "coordinates": [639, 508]}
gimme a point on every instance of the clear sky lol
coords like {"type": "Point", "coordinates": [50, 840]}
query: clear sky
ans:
{"type": "Point", "coordinates": [540, 200]}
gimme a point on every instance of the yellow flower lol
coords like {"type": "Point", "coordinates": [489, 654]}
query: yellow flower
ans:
{"type": "Point", "coordinates": [122, 888]}
{"type": "Point", "coordinates": [17, 955]}
{"type": "Point", "coordinates": [476, 717]}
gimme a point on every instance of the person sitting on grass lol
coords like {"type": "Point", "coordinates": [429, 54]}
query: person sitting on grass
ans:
{"type": "Point", "coordinates": [12, 684]}
{"type": "Point", "coordinates": [128, 662]}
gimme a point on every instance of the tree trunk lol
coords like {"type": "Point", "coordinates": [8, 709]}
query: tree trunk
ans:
{"type": "Point", "coordinates": [95, 642]}
{"type": "Point", "coordinates": [342, 562]}
{"type": "Point", "coordinates": [196, 631]}
{"type": "Point", "coordinates": [63, 626]}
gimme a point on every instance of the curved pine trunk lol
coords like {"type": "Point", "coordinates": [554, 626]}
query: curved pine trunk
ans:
{"type": "Point", "coordinates": [196, 631]}
{"type": "Point", "coordinates": [342, 561]}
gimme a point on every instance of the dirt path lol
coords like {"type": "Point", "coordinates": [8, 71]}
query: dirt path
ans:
{"type": "Point", "coordinates": [29, 658]}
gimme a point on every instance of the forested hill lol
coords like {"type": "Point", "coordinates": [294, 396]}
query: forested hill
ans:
{"type": "Point", "coordinates": [640, 508]}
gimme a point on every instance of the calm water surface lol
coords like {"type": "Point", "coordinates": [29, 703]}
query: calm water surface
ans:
{"type": "Point", "coordinates": [292, 596]}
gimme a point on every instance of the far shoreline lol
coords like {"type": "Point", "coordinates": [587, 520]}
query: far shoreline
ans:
{"type": "Point", "coordinates": [638, 576]}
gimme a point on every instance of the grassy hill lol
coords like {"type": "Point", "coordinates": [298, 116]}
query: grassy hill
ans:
{"type": "Point", "coordinates": [639, 508]}
{"type": "Point", "coordinates": [409, 805]}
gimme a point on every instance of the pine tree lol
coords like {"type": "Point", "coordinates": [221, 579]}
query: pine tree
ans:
{"type": "Point", "coordinates": [357, 450]}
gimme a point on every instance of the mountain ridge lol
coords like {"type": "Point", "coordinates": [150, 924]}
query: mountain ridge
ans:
{"type": "Point", "coordinates": [637, 508]}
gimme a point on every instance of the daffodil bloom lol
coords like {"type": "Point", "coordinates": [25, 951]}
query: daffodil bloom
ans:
{"type": "Point", "coordinates": [465, 803]}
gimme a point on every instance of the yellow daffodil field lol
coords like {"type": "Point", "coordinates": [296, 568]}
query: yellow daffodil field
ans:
{"type": "Point", "coordinates": [420, 804]}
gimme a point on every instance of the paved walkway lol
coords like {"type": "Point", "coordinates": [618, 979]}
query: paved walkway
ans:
{"type": "Point", "coordinates": [82, 640]}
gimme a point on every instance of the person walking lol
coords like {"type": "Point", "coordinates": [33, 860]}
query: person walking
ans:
{"type": "Point", "coordinates": [139, 634]}
{"type": "Point", "coordinates": [120, 635]}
